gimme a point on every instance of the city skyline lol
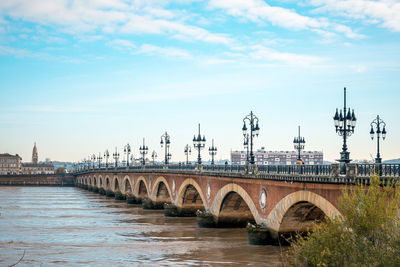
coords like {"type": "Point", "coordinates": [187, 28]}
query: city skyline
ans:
{"type": "Point", "coordinates": [82, 77]}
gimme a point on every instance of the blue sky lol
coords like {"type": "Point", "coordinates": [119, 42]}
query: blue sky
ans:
{"type": "Point", "coordinates": [79, 77]}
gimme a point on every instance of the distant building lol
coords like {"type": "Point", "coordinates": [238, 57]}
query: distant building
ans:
{"type": "Point", "coordinates": [35, 167]}
{"type": "Point", "coordinates": [263, 157]}
{"type": "Point", "coordinates": [10, 164]}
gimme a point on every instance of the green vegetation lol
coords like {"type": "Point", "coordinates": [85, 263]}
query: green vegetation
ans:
{"type": "Point", "coordinates": [368, 233]}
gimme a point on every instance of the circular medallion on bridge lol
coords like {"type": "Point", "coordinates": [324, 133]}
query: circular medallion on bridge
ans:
{"type": "Point", "coordinates": [263, 198]}
{"type": "Point", "coordinates": [208, 191]}
{"type": "Point", "coordinates": [173, 186]}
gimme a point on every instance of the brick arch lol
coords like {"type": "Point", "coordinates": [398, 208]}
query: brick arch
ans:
{"type": "Point", "coordinates": [155, 187]}
{"type": "Point", "coordinates": [276, 215]}
{"type": "Point", "coordinates": [127, 178]}
{"type": "Point", "coordinates": [182, 189]}
{"type": "Point", "coordinates": [114, 181]}
{"type": "Point", "coordinates": [105, 182]}
{"type": "Point", "coordinates": [224, 191]}
{"type": "Point", "coordinates": [94, 181]}
{"type": "Point", "coordinates": [136, 190]}
{"type": "Point", "coordinates": [90, 180]}
{"type": "Point", "coordinates": [100, 181]}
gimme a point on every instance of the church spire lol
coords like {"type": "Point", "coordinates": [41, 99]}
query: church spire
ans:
{"type": "Point", "coordinates": [35, 156]}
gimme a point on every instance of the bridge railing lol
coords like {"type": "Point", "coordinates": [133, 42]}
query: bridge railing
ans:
{"type": "Point", "coordinates": [305, 173]}
{"type": "Point", "coordinates": [385, 170]}
{"type": "Point", "coordinates": [322, 170]}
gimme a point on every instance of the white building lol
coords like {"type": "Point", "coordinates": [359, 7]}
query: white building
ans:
{"type": "Point", "coordinates": [263, 157]}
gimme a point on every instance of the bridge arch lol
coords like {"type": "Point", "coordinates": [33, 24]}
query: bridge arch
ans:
{"type": "Point", "coordinates": [180, 199]}
{"type": "Point", "coordinates": [94, 181]}
{"type": "Point", "coordinates": [107, 184]}
{"type": "Point", "coordinates": [233, 192]}
{"type": "Point", "coordinates": [161, 190]}
{"type": "Point", "coordinates": [100, 181]}
{"type": "Point", "coordinates": [141, 188]}
{"type": "Point", "coordinates": [127, 185]}
{"type": "Point", "coordinates": [299, 200]}
{"type": "Point", "coordinates": [115, 184]}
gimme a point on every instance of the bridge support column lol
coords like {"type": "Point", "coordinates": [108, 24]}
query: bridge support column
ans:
{"type": "Point", "coordinates": [171, 210]}
{"type": "Point", "coordinates": [130, 198]}
{"type": "Point", "coordinates": [95, 189]}
{"type": "Point", "coordinates": [149, 204]}
{"type": "Point", "coordinates": [109, 193]}
{"type": "Point", "coordinates": [206, 219]}
{"type": "Point", "coordinates": [102, 191]}
{"type": "Point", "coordinates": [119, 196]}
{"type": "Point", "coordinates": [262, 235]}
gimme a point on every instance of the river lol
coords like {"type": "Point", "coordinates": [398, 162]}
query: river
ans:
{"type": "Point", "coordinates": [65, 226]}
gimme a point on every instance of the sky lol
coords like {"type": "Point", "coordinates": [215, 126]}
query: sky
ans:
{"type": "Point", "coordinates": [80, 77]}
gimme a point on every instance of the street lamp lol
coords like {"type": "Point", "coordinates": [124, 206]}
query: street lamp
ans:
{"type": "Point", "coordinates": [127, 150]}
{"type": "Point", "coordinates": [378, 122]}
{"type": "Point", "coordinates": [116, 157]}
{"type": "Point", "coordinates": [187, 151]}
{"type": "Point", "coordinates": [106, 156]}
{"type": "Point", "coordinates": [143, 151]}
{"type": "Point", "coordinates": [165, 141]}
{"type": "Point", "coordinates": [199, 143]}
{"type": "Point", "coordinates": [99, 158]}
{"type": "Point", "coordinates": [213, 151]}
{"type": "Point", "coordinates": [254, 131]}
{"type": "Point", "coordinates": [344, 124]}
{"type": "Point", "coordinates": [154, 156]}
{"type": "Point", "coordinates": [93, 160]}
{"type": "Point", "coordinates": [246, 146]}
{"type": "Point", "coordinates": [299, 145]}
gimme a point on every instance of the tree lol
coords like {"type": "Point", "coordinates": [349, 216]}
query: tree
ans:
{"type": "Point", "coordinates": [367, 233]}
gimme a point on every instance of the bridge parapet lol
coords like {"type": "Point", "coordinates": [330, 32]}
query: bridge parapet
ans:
{"type": "Point", "coordinates": [356, 173]}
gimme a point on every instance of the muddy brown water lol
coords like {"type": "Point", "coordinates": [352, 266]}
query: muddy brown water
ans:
{"type": "Point", "coordinates": [65, 226]}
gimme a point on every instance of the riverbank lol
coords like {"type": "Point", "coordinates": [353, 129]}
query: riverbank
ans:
{"type": "Point", "coordinates": [37, 180]}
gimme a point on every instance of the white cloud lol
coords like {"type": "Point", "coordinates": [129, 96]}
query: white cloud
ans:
{"type": "Point", "coordinates": [385, 12]}
{"type": "Point", "coordinates": [260, 52]}
{"type": "Point", "coordinates": [259, 10]}
{"type": "Point", "coordinates": [163, 51]}
{"type": "Point", "coordinates": [122, 44]}
{"type": "Point", "coordinates": [107, 16]}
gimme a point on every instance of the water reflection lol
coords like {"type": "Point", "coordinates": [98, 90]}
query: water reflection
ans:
{"type": "Point", "coordinates": [70, 226]}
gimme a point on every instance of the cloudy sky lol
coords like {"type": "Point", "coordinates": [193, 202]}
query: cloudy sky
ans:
{"type": "Point", "coordinates": [79, 77]}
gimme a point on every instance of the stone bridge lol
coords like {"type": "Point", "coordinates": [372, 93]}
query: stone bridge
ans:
{"type": "Point", "coordinates": [275, 203]}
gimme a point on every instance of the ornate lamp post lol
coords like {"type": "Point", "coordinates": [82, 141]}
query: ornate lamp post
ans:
{"type": "Point", "coordinates": [154, 156]}
{"type": "Point", "coordinates": [93, 160]}
{"type": "Point", "coordinates": [299, 145]}
{"type": "Point", "coordinates": [99, 159]}
{"type": "Point", "coordinates": [143, 151]}
{"type": "Point", "coordinates": [187, 151]}
{"type": "Point", "coordinates": [106, 156]}
{"type": "Point", "coordinates": [116, 157]}
{"type": "Point", "coordinates": [378, 123]}
{"type": "Point", "coordinates": [246, 146]}
{"type": "Point", "coordinates": [127, 150]}
{"type": "Point", "coordinates": [254, 131]}
{"type": "Point", "coordinates": [165, 141]}
{"type": "Point", "coordinates": [345, 122]}
{"type": "Point", "coordinates": [199, 143]}
{"type": "Point", "coordinates": [213, 151]}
